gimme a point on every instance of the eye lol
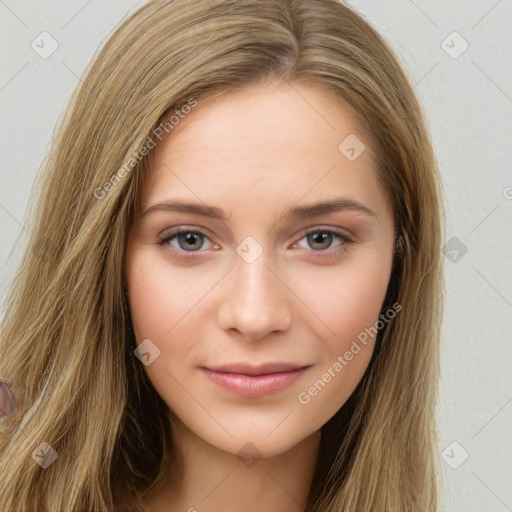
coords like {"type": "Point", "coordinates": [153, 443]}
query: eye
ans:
{"type": "Point", "coordinates": [321, 239]}
{"type": "Point", "coordinates": [184, 239]}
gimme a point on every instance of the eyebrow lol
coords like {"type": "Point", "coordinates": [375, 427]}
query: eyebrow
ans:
{"type": "Point", "coordinates": [294, 213]}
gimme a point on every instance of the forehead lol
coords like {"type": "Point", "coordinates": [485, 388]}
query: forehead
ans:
{"type": "Point", "coordinates": [272, 144]}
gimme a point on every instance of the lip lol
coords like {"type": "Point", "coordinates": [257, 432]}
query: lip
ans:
{"type": "Point", "coordinates": [250, 381]}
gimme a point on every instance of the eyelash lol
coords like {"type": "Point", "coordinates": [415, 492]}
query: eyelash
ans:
{"type": "Point", "coordinates": [326, 254]}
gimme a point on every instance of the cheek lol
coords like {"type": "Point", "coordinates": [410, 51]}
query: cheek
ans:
{"type": "Point", "coordinates": [162, 297]}
{"type": "Point", "coordinates": [150, 306]}
{"type": "Point", "coordinates": [159, 300]}
{"type": "Point", "coordinates": [167, 307]}
{"type": "Point", "coordinates": [348, 298]}
{"type": "Point", "coordinates": [349, 306]}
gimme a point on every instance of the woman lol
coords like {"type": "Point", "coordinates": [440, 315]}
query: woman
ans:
{"type": "Point", "coordinates": [175, 339]}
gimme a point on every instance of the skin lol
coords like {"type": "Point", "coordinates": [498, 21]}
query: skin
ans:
{"type": "Point", "coordinates": [255, 153]}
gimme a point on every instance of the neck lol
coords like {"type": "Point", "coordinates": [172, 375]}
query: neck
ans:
{"type": "Point", "coordinates": [214, 480]}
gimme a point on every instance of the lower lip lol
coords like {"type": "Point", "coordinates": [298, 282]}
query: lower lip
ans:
{"type": "Point", "coordinates": [248, 386]}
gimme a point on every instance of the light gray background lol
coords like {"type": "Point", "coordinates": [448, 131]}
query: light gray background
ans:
{"type": "Point", "coordinates": [468, 101]}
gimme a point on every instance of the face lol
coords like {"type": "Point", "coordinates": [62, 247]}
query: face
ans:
{"type": "Point", "coordinates": [258, 265]}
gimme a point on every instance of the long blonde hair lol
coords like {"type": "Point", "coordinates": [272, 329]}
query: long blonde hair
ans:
{"type": "Point", "coordinates": [66, 341]}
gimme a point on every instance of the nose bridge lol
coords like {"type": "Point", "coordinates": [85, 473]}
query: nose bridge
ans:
{"type": "Point", "coordinates": [256, 302]}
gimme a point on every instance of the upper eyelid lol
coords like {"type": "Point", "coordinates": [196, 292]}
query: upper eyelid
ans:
{"type": "Point", "coordinates": [338, 231]}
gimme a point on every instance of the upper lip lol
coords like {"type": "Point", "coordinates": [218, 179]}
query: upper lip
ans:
{"type": "Point", "coordinates": [260, 369]}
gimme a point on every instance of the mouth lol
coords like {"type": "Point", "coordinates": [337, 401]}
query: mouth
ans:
{"type": "Point", "coordinates": [254, 381]}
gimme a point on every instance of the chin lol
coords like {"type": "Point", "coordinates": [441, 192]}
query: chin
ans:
{"type": "Point", "coordinates": [258, 445]}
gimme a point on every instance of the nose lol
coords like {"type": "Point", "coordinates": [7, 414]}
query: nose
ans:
{"type": "Point", "coordinates": [255, 302]}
